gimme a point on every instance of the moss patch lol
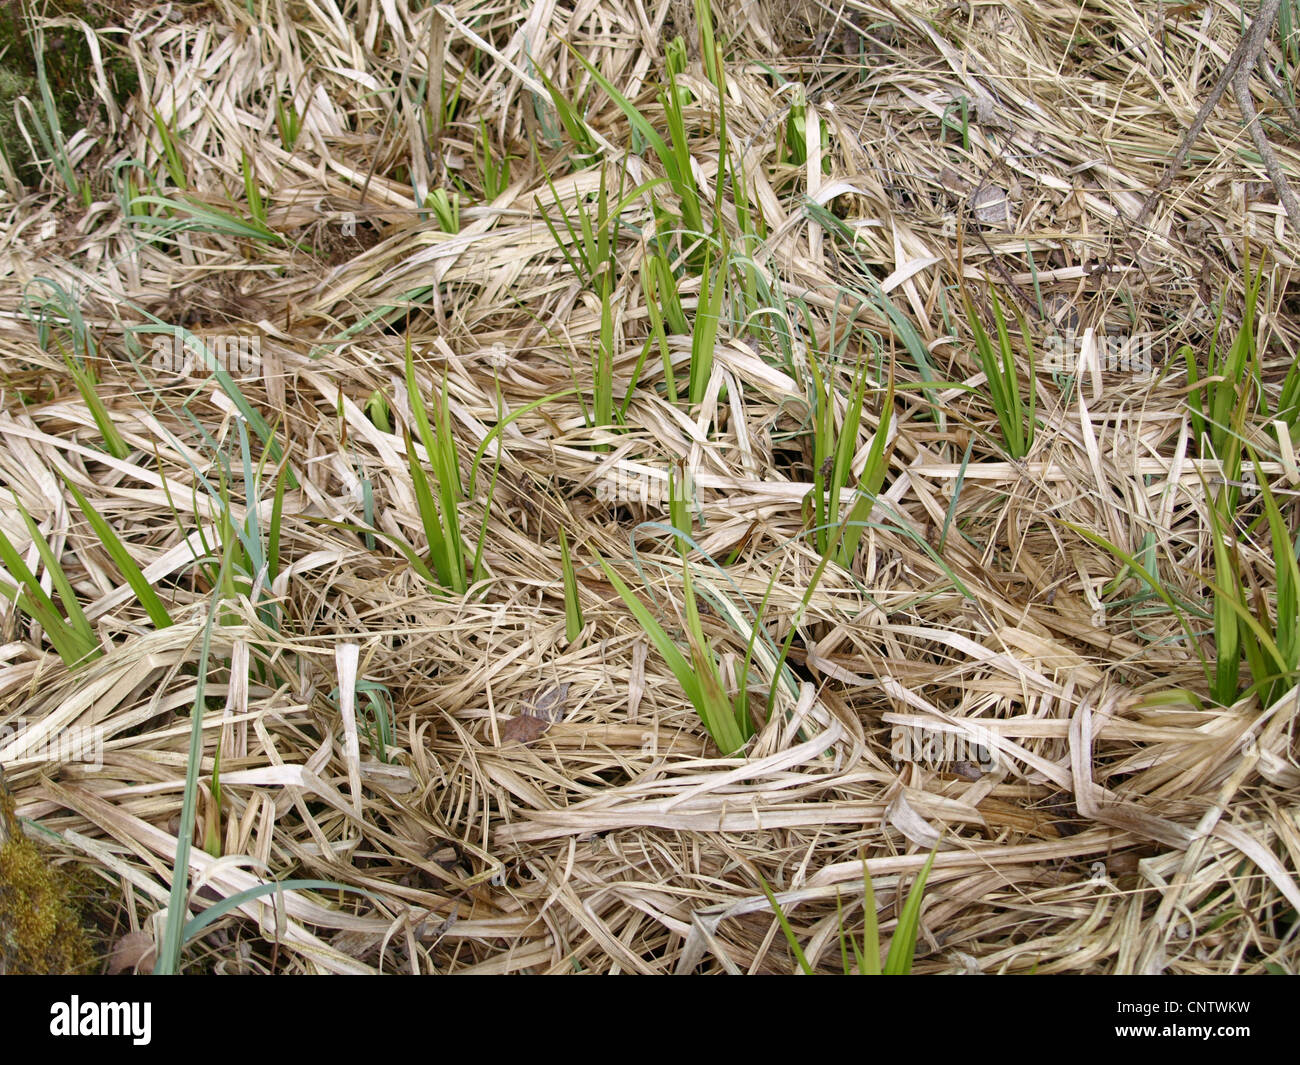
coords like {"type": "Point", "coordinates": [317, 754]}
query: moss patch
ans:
{"type": "Point", "coordinates": [40, 928]}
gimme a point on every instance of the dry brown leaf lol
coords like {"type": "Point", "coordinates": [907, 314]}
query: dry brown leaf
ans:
{"type": "Point", "coordinates": [523, 729]}
{"type": "Point", "coordinates": [134, 951]}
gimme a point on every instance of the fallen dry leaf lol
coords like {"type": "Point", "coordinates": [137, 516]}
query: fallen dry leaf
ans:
{"type": "Point", "coordinates": [134, 951]}
{"type": "Point", "coordinates": [540, 711]}
{"type": "Point", "coordinates": [523, 729]}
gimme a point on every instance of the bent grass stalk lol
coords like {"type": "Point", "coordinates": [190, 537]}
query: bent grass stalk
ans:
{"type": "Point", "coordinates": [500, 428]}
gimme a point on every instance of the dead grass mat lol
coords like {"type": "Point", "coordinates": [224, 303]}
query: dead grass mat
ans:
{"type": "Point", "coordinates": [1113, 836]}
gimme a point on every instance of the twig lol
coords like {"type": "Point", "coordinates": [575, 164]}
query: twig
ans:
{"type": "Point", "coordinates": [1236, 71]}
{"type": "Point", "coordinates": [1241, 88]}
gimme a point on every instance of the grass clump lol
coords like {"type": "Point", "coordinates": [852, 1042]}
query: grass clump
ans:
{"type": "Point", "coordinates": [864, 959]}
{"type": "Point", "coordinates": [66, 58]}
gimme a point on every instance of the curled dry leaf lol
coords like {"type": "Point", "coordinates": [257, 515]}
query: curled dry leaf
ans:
{"type": "Point", "coordinates": [134, 951]}
{"type": "Point", "coordinates": [903, 817]}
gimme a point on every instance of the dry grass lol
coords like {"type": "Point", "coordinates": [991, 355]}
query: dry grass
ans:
{"type": "Point", "coordinates": [1116, 833]}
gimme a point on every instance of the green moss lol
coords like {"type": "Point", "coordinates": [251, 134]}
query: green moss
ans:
{"type": "Point", "coordinates": [67, 63]}
{"type": "Point", "coordinates": [40, 929]}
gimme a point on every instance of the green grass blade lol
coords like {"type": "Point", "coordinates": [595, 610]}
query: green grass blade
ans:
{"type": "Point", "coordinates": [447, 469]}
{"type": "Point", "coordinates": [1150, 581]}
{"type": "Point", "coordinates": [682, 181]}
{"type": "Point", "coordinates": [114, 443]}
{"type": "Point", "coordinates": [872, 480]}
{"type": "Point", "coordinates": [194, 927]}
{"type": "Point", "coordinates": [429, 517]}
{"type": "Point", "coordinates": [476, 570]}
{"type": "Point", "coordinates": [403, 548]}
{"type": "Point", "coordinates": [869, 957]}
{"type": "Point", "coordinates": [122, 559]}
{"type": "Point", "coordinates": [714, 707]}
{"type": "Point", "coordinates": [902, 948]}
{"type": "Point", "coordinates": [785, 928]}
{"type": "Point", "coordinates": [704, 335]}
{"type": "Point", "coordinates": [62, 585]}
{"type": "Point", "coordinates": [677, 663]}
{"type": "Point", "coordinates": [500, 428]}
{"type": "Point", "coordinates": [572, 605]}
{"type": "Point", "coordinates": [70, 641]}
{"type": "Point", "coordinates": [1287, 571]}
{"type": "Point", "coordinates": [169, 951]}
{"type": "Point", "coordinates": [1227, 632]}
